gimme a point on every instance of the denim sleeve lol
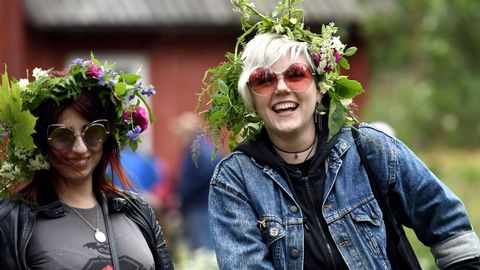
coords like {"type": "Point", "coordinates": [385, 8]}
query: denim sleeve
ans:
{"type": "Point", "coordinates": [421, 201]}
{"type": "Point", "coordinates": [238, 241]}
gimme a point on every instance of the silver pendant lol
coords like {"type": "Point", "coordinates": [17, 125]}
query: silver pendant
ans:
{"type": "Point", "coordinates": [100, 236]}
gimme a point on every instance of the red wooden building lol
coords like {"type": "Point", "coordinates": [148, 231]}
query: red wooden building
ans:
{"type": "Point", "coordinates": [174, 41]}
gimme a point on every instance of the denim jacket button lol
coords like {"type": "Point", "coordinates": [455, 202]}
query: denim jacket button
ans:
{"type": "Point", "coordinates": [294, 209]}
{"type": "Point", "coordinates": [294, 252]}
{"type": "Point", "coordinates": [273, 232]}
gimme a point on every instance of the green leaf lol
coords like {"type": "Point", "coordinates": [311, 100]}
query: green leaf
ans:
{"type": "Point", "coordinates": [350, 51]}
{"type": "Point", "coordinates": [348, 88]}
{"type": "Point", "coordinates": [344, 63]}
{"type": "Point", "coordinates": [336, 117]}
{"type": "Point", "coordinates": [23, 128]}
{"type": "Point", "coordinates": [133, 145]}
{"type": "Point", "coordinates": [120, 89]}
{"type": "Point", "coordinates": [220, 98]}
{"type": "Point", "coordinates": [4, 92]}
{"type": "Point", "coordinates": [222, 86]}
{"type": "Point", "coordinates": [21, 122]}
{"type": "Point", "coordinates": [95, 61]}
{"type": "Point", "coordinates": [130, 78]}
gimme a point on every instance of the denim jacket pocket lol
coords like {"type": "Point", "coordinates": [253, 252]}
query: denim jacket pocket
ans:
{"type": "Point", "coordinates": [272, 231]}
{"type": "Point", "coordinates": [367, 218]}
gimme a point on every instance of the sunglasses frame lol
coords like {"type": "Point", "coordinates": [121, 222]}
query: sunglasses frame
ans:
{"type": "Point", "coordinates": [102, 122]}
{"type": "Point", "coordinates": [279, 75]}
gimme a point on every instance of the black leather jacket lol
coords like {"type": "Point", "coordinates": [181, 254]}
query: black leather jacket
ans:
{"type": "Point", "coordinates": [17, 220]}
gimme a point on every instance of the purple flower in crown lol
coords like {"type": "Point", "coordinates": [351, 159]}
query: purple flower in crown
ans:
{"type": "Point", "coordinates": [329, 67]}
{"type": "Point", "coordinates": [134, 133]}
{"type": "Point", "coordinates": [316, 58]}
{"type": "Point", "coordinates": [326, 64]}
{"type": "Point", "coordinates": [337, 55]}
{"type": "Point", "coordinates": [3, 131]}
{"type": "Point", "coordinates": [148, 91]}
{"type": "Point", "coordinates": [77, 61]}
{"type": "Point", "coordinates": [139, 118]}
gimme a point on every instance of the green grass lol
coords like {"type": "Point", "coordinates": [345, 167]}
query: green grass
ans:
{"type": "Point", "coordinates": [460, 171]}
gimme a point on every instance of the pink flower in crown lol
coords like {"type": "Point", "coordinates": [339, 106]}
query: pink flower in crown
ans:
{"type": "Point", "coordinates": [139, 117]}
{"type": "Point", "coordinates": [93, 69]}
{"type": "Point", "coordinates": [337, 56]}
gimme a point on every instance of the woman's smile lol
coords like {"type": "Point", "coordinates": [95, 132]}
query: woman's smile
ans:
{"type": "Point", "coordinates": [284, 106]}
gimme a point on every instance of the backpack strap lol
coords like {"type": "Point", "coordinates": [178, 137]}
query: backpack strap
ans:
{"type": "Point", "coordinates": [399, 251]}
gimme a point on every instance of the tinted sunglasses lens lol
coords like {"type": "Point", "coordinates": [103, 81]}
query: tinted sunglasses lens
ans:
{"type": "Point", "coordinates": [95, 135]}
{"type": "Point", "coordinates": [62, 138]}
{"type": "Point", "coordinates": [262, 81]}
{"type": "Point", "coordinates": [298, 77]}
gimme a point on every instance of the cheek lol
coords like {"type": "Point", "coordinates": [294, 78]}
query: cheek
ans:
{"type": "Point", "coordinates": [260, 104]}
{"type": "Point", "coordinates": [55, 156]}
{"type": "Point", "coordinates": [97, 157]}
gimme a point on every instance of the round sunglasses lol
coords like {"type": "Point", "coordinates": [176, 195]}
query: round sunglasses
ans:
{"type": "Point", "coordinates": [264, 81]}
{"type": "Point", "coordinates": [62, 137]}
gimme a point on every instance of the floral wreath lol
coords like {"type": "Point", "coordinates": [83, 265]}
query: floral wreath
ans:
{"type": "Point", "coordinates": [20, 157]}
{"type": "Point", "coordinates": [224, 106]}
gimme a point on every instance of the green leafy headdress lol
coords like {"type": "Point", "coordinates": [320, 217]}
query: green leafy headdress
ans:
{"type": "Point", "coordinates": [220, 101]}
{"type": "Point", "coordinates": [121, 95]}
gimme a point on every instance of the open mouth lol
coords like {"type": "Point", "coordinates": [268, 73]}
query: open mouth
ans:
{"type": "Point", "coordinates": [283, 107]}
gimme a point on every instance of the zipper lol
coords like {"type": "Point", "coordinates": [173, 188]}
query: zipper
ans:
{"type": "Point", "coordinates": [319, 224]}
{"type": "Point", "coordinates": [24, 248]}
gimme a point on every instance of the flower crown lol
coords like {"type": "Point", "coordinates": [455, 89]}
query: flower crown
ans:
{"type": "Point", "coordinates": [224, 105]}
{"type": "Point", "coordinates": [19, 156]}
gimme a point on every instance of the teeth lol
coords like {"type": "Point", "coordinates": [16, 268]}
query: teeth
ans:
{"type": "Point", "coordinates": [284, 106]}
{"type": "Point", "coordinates": [78, 162]}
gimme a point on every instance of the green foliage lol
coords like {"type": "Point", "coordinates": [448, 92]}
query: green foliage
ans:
{"type": "Point", "coordinates": [224, 106]}
{"type": "Point", "coordinates": [424, 58]}
{"type": "Point", "coordinates": [20, 102]}
{"type": "Point", "coordinates": [12, 115]}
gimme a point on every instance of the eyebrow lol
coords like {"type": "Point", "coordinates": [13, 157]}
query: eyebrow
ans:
{"type": "Point", "coordinates": [70, 127]}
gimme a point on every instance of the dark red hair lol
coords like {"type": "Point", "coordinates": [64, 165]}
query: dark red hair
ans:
{"type": "Point", "coordinates": [90, 107]}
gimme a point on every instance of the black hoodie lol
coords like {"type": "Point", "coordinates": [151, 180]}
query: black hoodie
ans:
{"type": "Point", "coordinates": [306, 180]}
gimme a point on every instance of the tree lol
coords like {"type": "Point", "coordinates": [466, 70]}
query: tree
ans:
{"type": "Point", "coordinates": [424, 57]}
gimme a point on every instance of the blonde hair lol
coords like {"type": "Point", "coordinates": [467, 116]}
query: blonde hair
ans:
{"type": "Point", "coordinates": [263, 51]}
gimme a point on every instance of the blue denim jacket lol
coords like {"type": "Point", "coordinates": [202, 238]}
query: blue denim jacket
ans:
{"type": "Point", "coordinates": [256, 223]}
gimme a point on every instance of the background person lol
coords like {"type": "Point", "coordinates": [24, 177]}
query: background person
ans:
{"type": "Point", "coordinates": [64, 212]}
{"type": "Point", "coordinates": [193, 181]}
{"type": "Point", "coordinates": [295, 194]}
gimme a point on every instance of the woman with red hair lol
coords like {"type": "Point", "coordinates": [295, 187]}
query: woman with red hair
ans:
{"type": "Point", "coordinates": [61, 209]}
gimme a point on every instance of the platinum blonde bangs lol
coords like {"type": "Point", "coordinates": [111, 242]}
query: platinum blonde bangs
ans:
{"type": "Point", "coordinates": [263, 51]}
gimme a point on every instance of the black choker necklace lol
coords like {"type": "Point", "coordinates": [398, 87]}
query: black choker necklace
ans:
{"type": "Point", "coordinates": [295, 153]}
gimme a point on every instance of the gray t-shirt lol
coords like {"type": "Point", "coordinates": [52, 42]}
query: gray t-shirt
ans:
{"type": "Point", "coordinates": [69, 243]}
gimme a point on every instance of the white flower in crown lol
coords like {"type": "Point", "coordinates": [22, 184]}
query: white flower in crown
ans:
{"type": "Point", "coordinates": [324, 87]}
{"type": "Point", "coordinates": [39, 73]}
{"type": "Point", "coordinates": [346, 101]}
{"type": "Point", "coordinates": [337, 44]}
{"type": "Point", "coordinates": [39, 163]}
{"type": "Point", "coordinates": [278, 28]}
{"type": "Point", "coordinates": [22, 84]}
{"type": "Point", "coordinates": [6, 171]}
